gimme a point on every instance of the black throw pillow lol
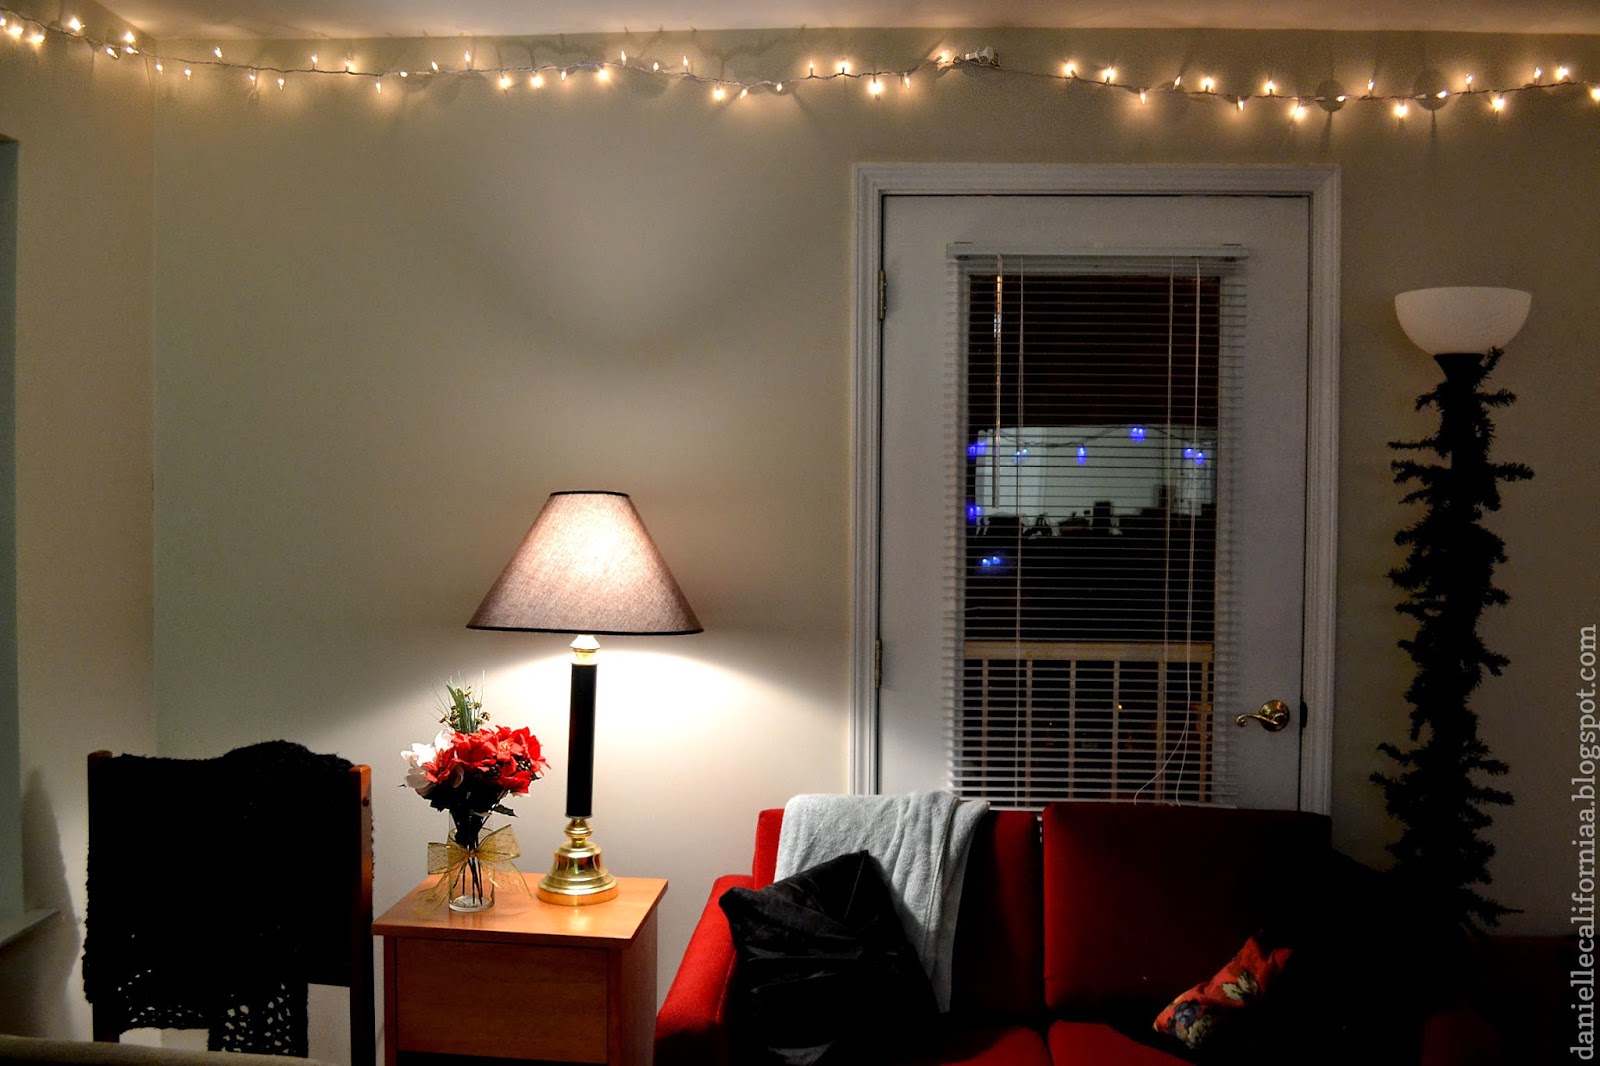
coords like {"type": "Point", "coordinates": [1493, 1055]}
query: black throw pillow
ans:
{"type": "Point", "coordinates": [824, 972]}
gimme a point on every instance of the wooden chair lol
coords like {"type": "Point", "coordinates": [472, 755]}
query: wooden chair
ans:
{"type": "Point", "coordinates": [158, 854]}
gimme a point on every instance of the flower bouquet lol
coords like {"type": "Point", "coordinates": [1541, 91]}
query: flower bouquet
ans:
{"type": "Point", "coordinates": [468, 771]}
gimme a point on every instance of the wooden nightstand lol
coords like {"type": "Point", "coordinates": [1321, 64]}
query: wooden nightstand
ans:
{"type": "Point", "coordinates": [522, 980]}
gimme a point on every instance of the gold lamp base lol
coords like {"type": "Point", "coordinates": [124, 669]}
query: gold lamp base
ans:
{"type": "Point", "coordinates": [577, 878]}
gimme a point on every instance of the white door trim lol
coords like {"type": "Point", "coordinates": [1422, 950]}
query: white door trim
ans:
{"type": "Point", "coordinates": [1320, 186]}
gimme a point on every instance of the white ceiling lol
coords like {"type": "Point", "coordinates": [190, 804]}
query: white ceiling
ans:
{"type": "Point", "coordinates": [173, 19]}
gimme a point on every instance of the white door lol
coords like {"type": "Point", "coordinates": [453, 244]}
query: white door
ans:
{"type": "Point", "coordinates": [1260, 503]}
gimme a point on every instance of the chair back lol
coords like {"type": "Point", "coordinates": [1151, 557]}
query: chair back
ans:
{"type": "Point", "coordinates": [217, 883]}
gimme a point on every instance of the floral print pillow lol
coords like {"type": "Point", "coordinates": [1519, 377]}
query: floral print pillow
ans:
{"type": "Point", "coordinates": [1236, 987]}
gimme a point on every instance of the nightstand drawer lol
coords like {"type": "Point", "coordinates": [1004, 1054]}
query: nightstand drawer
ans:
{"type": "Point", "coordinates": [501, 1000]}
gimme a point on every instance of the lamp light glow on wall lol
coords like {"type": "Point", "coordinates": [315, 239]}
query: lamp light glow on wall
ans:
{"type": "Point", "coordinates": [588, 567]}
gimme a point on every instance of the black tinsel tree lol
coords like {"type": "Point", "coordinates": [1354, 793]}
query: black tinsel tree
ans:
{"type": "Point", "coordinates": [1438, 792]}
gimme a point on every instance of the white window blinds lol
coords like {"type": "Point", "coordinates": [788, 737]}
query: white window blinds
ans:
{"type": "Point", "coordinates": [1091, 568]}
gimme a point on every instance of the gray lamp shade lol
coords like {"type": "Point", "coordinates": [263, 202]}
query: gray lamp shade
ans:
{"type": "Point", "coordinates": [587, 565]}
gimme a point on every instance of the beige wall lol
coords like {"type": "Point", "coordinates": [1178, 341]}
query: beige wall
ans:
{"type": "Point", "coordinates": [387, 326]}
{"type": "Point", "coordinates": [83, 124]}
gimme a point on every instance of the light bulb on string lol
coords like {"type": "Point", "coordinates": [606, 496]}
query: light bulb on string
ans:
{"type": "Point", "coordinates": [743, 93]}
{"type": "Point", "coordinates": [1498, 102]}
{"type": "Point", "coordinates": [875, 87]}
{"type": "Point", "coordinates": [1594, 93]}
{"type": "Point", "coordinates": [536, 81]}
{"type": "Point", "coordinates": [1563, 73]}
{"type": "Point", "coordinates": [1270, 88]}
{"type": "Point", "coordinates": [405, 73]}
{"type": "Point", "coordinates": [1297, 112]}
{"type": "Point", "coordinates": [1069, 70]}
{"type": "Point", "coordinates": [159, 68]}
{"type": "Point", "coordinates": [505, 81]}
{"type": "Point", "coordinates": [1400, 109]}
{"type": "Point", "coordinates": [719, 93]}
{"type": "Point", "coordinates": [280, 83]}
{"type": "Point", "coordinates": [1144, 95]}
{"type": "Point", "coordinates": [603, 74]}
{"type": "Point", "coordinates": [1108, 75]}
{"type": "Point", "coordinates": [74, 25]}
{"type": "Point", "coordinates": [217, 51]}
{"type": "Point", "coordinates": [1208, 84]}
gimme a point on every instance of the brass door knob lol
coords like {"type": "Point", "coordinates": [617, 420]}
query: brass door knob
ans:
{"type": "Point", "coordinates": [1273, 716]}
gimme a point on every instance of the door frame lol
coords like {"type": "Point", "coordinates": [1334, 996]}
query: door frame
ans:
{"type": "Point", "coordinates": [1319, 185]}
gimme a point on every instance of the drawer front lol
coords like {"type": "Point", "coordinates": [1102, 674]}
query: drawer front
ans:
{"type": "Point", "coordinates": [501, 1001]}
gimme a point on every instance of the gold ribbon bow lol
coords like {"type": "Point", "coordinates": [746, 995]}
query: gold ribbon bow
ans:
{"type": "Point", "coordinates": [494, 854]}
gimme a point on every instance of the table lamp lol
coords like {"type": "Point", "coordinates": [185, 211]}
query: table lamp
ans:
{"type": "Point", "coordinates": [588, 567]}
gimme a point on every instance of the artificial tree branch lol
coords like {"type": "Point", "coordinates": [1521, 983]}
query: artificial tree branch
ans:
{"type": "Point", "coordinates": [1448, 580]}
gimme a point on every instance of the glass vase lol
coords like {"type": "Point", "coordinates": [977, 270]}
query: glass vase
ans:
{"type": "Point", "coordinates": [472, 888]}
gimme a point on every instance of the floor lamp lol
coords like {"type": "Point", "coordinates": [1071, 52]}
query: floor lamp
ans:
{"type": "Point", "coordinates": [587, 567]}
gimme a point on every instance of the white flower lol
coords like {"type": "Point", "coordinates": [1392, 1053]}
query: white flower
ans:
{"type": "Point", "coordinates": [423, 753]}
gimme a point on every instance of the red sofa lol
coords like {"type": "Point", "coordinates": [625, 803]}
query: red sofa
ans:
{"type": "Point", "coordinates": [1088, 913]}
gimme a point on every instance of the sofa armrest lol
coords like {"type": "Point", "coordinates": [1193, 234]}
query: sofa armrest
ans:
{"type": "Point", "coordinates": [691, 1028]}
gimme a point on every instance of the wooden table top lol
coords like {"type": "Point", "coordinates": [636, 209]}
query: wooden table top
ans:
{"type": "Point", "coordinates": [525, 919]}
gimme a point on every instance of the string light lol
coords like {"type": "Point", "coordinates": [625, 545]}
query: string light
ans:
{"type": "Point", "coordinates": [18, 27]}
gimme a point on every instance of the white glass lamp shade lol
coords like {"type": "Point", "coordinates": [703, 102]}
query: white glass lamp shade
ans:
{"type": "Point", "coordinates": [1462, 319]}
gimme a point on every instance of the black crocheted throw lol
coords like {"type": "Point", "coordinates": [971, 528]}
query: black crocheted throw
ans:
{"type": "Point", "coordinates": [217, 889]}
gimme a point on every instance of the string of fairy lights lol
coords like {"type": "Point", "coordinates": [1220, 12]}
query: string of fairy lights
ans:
{"type": "Point", "coordinates": [1430, 93]}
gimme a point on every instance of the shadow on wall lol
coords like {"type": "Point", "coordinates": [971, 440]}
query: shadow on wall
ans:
{"type": "Point", "coordinates": [34, 970]}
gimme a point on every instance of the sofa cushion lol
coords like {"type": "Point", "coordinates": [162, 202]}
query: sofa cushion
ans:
{"type": "Point", "coordinates": [996, 972]}
{"type": "Point", "coordinates": [1143, 900]}
{"type": "Point", "coordinates": [959, 1044]}
{"type": "Point", "coordinates": [1236, 991]}
{"type": "Point", "coordinates": [1097, 1044]}
{"type": "Point", "coordinates": [824, 968]}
